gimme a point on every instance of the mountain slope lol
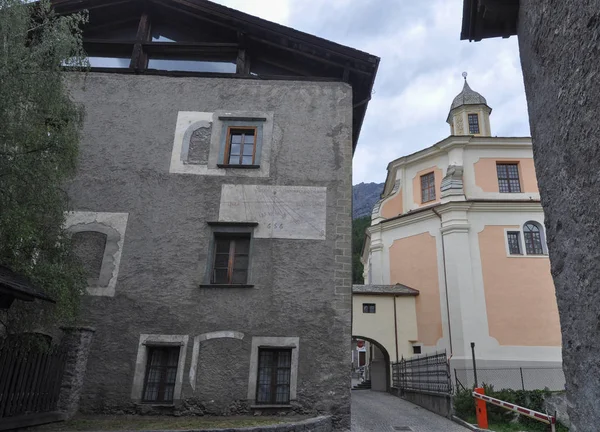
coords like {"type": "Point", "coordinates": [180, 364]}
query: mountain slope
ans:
{"type": "Point", "coordinates": [364, 197]}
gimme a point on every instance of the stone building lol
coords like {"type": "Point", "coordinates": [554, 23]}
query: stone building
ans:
{"type": "Point", "coordinates": [213, 210]}
{"type": "Point", "coordinates": [456, 253]}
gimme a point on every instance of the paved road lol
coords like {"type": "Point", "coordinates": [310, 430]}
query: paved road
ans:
{"type": "Point", "coordinates": [382, 412]}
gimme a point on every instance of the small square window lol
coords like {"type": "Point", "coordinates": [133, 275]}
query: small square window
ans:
{"type": "Point", "coordinates": [274, 376]}
{"type": "Point", "coordinates": [473, 123]}
{"type": "Point", "coordinates": [428, 187]}
{"type": "Point", "coordinates": [508, 177]}
{"type": "Point", "coordinates": [161, 373]}
{"type": "Point", "coordinates": [241, 146]}
{"type": "Point", "coordinates": [514, 242]}
{"type": "Point", "coordinates": [416, 349]}
{"type": "Point", "coordinates": [368, 307]}
{"type": "Point", "coordinates": [231, 259]}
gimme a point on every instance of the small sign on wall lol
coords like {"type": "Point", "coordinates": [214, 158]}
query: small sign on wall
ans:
{"type": "Point", "coordinates": [288, 212]}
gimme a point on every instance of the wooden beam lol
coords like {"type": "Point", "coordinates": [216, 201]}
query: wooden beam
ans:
{"type": "Point", "coordinates": [139, 58]}
{"type": "Point", "coordinates": [241, 65]}
{"type": "Point", "coordinates": [70, 6]}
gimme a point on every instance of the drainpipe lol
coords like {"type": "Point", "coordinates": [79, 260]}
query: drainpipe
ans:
{"type": "Point", "coordinates": [445, 281]}
{"type": "Point", "coordinates": [396, 328]}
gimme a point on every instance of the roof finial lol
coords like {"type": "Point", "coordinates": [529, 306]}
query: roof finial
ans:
{"type": "Point", "coordinates": [464, 75]}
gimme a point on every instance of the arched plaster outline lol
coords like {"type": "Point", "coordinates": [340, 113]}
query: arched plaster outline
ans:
{"type": "Point", "coordinates": [223, 334]}
{"type": "Point", "coordinates": [187, 136]}
{"type": "Point", "coordinates": [107, 222]}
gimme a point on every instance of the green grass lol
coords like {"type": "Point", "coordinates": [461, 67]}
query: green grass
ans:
{"type": "Point", "coordinates": [125, 422]}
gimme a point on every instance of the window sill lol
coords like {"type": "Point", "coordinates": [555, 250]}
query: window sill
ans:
{"type": "Point", "coordinates": [239, 166]}
{"type": "Point", "coordinates": [527, 256]}
{"type": "Point", "coordinates": [157, 404]}
{"type": "Point", "coordinates": [226, 285]}
{"type": "Point", "coordinates": [270, 406]}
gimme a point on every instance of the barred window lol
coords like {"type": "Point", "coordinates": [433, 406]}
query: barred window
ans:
{"type": "Point", "coordinates": [533, 239]}
{"type": "Point", "coordinates": [161, 372]}
{"type": "Point", "coordinates": [368, 307]}
{"type": "Point", "coordinates": [473, 124]}
{"type": "Point", "coordinates": [274, 373]}
{"type": "Point", "coordinates": [230, 265]}
{"type": "Point", "coordinates": [508, 177]}
{"type": "Point", "coordinates": [428, 187]}
{"type": "Point", "coordinates": [514, 243]}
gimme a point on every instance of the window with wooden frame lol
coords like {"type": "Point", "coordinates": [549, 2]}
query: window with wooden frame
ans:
{"type": "Point", "coordinates": [473, 123]}
{"type": "Point", "coordinates": [241, 146]}
{"type": "Point", "coordinates": [368, 307]}
{"type": "Point", "coordinates": [274, 375]}
{"type": "Point", "coordinates": [428, 187]}
{"type": "Point", "coordinates": [231, 258]}
{"type": "Point", "coordinates": [161, 373]}
{"type": "Point", "coordinates": [533, 239]}
{"type": "Point", "coordinates": [514, 242]}
{"type": "Point", "coordinates": [508, 177]}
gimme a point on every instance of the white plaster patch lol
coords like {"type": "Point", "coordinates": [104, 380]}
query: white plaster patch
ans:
{"type": "Point", "coordinates": [184, 120]}
{"type": "Point", "coordinates": [288, 212]}
{"type": "Point", "coordinates": [116, 221]}
{"type": "Point", "coordinates": [142, 359]}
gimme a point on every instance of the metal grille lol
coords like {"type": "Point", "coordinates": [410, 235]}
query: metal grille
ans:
{"type": "Point", "coordinates": [274, 371]}
{"type": "Point", "coordinates": [430, 373]}
{"type": "Point", "coordinates": [516, 378]}
{"type": "Point", "coordinates": [428, 187]}
{"type": "Point", "coordinates": [161, 372]}
{"type": "Point", "coordinates": [508, 178]}
{"type": "Point", "coordinates": [473, 123]}
{"type": "Point", "coordinates": [533, 239]}
{"type": "Point", "coordinates": [514, 246]}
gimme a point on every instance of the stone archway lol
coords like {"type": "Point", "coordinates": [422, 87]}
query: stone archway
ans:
{"type": "Point", "coordinates": [380, 372]}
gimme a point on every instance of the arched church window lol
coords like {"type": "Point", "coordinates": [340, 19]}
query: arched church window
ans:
{"type": "Point", "coordinates": [533, 238]}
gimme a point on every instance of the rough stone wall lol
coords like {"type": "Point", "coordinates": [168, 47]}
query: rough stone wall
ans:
{"type": "Point", "coordinates": [76, 342]}
{"type": "Point", "coordinates": [301, 287]}
{"type": "Point", "coordinates": [559, 46]}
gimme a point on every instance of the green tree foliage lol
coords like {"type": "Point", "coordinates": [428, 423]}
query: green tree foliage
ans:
{"type": "Point", "coordinates": [39, 136]}
{"type": "Point", "coordinates": [359, 226]}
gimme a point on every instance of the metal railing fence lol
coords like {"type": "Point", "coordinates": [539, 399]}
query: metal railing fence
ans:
{"type": "Point", "coordinates": [516, 378]}
{"type": "Point", "coordinates": [424, 373]}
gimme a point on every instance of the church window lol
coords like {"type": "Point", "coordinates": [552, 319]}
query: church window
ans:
{"type": "Point", "coordinates": [514, 242]}
{"type": "Point", "coordinates": [533, 238]}
{"type": "Point", "coordinates": [508, 177]}
{"type": "Point", "coordinates": [428, 187]}
{"type": "Point", "coordinates": [473, 124]}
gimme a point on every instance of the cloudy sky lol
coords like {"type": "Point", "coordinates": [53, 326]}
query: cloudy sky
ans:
{"type": "Point", "coordinates": [422, 60]}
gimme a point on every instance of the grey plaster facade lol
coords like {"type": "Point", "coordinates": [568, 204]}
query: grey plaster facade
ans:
{"type": "Point", "coordinates": [301, 288]}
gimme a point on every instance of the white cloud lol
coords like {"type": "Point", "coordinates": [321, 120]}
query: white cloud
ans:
{"type": "Point", "coordinates": [422, 58]}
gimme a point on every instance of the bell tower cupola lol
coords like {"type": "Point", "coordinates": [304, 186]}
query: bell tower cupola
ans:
{"type": "Point", "coordinates": [469, 113]}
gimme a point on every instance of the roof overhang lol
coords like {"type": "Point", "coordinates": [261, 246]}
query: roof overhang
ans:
{"type": "Point", "coordinates": [304, 56]}
{"type": "Point", "coordinates": [14, 286]}
{"type": "Point", "coordinates": [484, 19]}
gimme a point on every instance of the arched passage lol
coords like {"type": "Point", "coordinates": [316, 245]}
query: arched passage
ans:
{"type": "Point", "coordinates": [380, 368]}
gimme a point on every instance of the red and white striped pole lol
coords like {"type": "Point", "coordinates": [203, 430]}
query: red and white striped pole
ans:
{"type": "Point", "coordinates": [544, 418]}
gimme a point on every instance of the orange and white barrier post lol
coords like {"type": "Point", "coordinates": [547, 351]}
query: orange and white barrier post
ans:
{"type": "Point", "coordinates": [479, 396]}
{"type": "Point", "coordinates": [480, 409]}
